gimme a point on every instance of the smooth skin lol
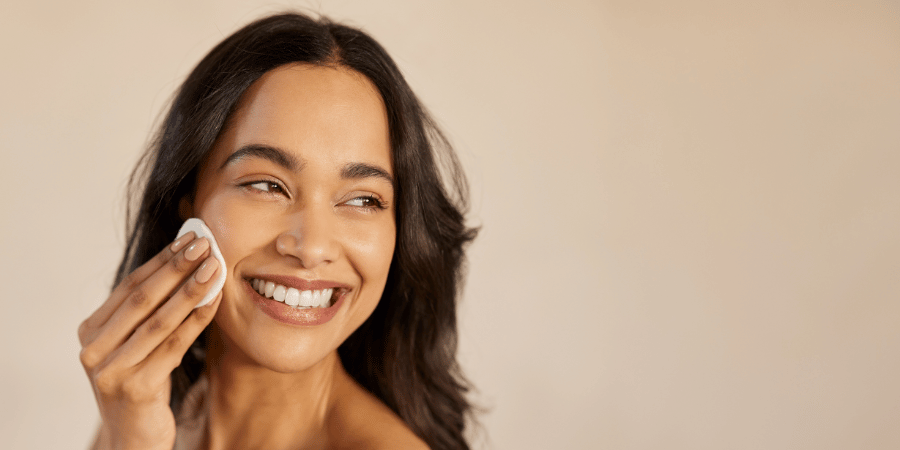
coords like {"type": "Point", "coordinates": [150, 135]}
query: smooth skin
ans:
{"type": "Point", "coordinates": [316, 204]}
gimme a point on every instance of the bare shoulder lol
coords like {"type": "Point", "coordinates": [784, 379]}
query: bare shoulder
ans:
{"type": "Point", "coordinates": [359, 420]}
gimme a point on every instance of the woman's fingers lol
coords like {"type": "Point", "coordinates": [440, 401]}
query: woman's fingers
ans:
{"type": "Point", "coordinates": [88, 328]}
{"type": "Point", "coordinates": [160, 363]}
{"type": "Point", "coordinates": [164, 321]}
{"type": "Point", "coordinates": [142, 300]}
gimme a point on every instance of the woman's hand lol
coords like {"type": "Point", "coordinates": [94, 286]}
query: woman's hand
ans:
{"type": "Point", "coordinates": [131, 344]}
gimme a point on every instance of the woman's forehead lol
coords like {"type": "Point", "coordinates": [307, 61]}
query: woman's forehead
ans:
{"type": "Point", "coordinates": [313, 112]}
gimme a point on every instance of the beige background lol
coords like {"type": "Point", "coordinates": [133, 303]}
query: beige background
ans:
{"type": "Point", "coordinates": [689, 209]}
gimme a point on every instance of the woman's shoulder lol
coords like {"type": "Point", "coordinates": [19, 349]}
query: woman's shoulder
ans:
{"type": "Point", "coordinates": [359, 420]}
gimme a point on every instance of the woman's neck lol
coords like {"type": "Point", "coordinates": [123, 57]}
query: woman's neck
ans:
{"type": "Point", "coordinates": [254, 407]}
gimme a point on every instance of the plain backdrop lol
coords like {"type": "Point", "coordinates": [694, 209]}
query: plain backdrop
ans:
{"type": "Point", "coordinates": [689, 209]}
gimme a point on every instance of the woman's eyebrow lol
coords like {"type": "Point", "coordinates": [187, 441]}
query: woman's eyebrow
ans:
{"type": "Point", "coordinates": [289, 162]}
{"type": "Point", "coordinates": [274, 154]}
{"type": "Point", "coordinates": [363, 170]}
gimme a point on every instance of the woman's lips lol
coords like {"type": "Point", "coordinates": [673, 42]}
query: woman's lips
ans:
{"type": "Point", "coordinates": [294, 316]}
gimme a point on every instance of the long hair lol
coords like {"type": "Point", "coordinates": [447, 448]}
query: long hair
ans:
{"type": "Point", "coordinates": [405, 352]}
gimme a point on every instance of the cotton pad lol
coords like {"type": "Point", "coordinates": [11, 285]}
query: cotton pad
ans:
{"type": "Point", "coordinates": [201, 230]}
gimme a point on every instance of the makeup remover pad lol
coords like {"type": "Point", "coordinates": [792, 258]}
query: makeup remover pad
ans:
{"type": "Point", "coordinates": [201, 230]}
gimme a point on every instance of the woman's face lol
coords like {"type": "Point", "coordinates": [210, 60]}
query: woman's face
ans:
{"type": "Point", "coordinates": [299, 193]}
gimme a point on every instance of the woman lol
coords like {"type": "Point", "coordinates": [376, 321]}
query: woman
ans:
{"type": "Point", "coordinates": [302, 147]}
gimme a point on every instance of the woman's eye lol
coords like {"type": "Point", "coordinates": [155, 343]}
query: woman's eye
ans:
{"type": "Point", "coordinates": [366, 202]}
{"type": "Point", "coordinates": [266, 186]}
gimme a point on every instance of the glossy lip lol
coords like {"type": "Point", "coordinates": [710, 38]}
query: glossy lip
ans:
{"type": "Point", "coordinates": [290, 315]}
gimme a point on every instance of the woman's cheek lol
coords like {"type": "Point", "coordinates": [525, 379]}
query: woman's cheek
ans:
{"type": "Point", "coordinates": [232, 222]}
{"type": "Point", "coordinates": [375, 245]}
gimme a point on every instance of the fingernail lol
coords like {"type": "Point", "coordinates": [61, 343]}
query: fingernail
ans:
{"type": "Point", "coordinates": [181, 241]}
{"type": "Point", "coordinates": [196, 249]}
{"type": "Point", "coordinates": [206, 270]}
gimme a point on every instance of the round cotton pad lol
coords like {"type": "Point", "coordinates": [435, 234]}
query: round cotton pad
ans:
{"type": "Point", "coordinates": [201, 230]}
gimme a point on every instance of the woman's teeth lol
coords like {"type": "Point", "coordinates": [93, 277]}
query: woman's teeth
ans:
{"type": "Point", "coordinates": [292, 296]}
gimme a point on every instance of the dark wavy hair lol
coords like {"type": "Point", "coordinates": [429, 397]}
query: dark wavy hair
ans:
{"type": "Point", "coordinates": [405, 352]}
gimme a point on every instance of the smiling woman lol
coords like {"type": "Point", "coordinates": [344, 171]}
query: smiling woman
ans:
{"type": "Point", "coordinates": [302, 148]}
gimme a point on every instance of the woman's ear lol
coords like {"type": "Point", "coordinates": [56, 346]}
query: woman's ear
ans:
{"type": "Point", "coordinates": [185, 208]}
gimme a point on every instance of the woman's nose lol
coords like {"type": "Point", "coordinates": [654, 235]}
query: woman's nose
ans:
{"type": "Point", "coordinates": [310, 237]}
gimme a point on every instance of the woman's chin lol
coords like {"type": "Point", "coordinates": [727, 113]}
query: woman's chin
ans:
{"type": "Point", "coordinates": [273, 348]}
{"type": "Point", "coordinates": [291, 359]}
